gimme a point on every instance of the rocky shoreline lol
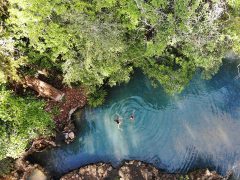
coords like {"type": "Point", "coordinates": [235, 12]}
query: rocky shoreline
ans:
{"type": "Point", "coordinates": [129, 170]}
{"type": "Point", "coordinates": [136, 170]}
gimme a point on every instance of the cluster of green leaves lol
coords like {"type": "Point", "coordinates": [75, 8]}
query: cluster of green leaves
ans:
{"type": "Point", "coordinates": [97, 98]}
{"type": "Point", "coordinates": [100, 42]}
{"type": "Point", "coordinates": [3, 9]}
{"type": "Point", "coordinates": [8, 65]}
{"type": "Point", "coordinates": [21, 120]}
{"type": "Point", "coordinates": [232, 24]}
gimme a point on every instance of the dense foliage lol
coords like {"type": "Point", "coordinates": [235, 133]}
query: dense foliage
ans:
{"type": "Point", "coordinates": [21, 119]}
{"type": "Point", "coordinates": [232, 26]}
{"type": "Point", "coordinates": [101, 42]}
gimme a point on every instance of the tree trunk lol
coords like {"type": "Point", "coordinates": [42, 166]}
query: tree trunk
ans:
{"type": "Point", "coordinates": [44, 89]}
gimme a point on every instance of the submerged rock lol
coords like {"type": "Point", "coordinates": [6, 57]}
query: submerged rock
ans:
{"type": "Point", "coordinates": [135, 170]}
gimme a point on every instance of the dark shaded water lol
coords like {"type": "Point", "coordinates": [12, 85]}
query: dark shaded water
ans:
{"type": "Point", "coordinates": [196, 129]}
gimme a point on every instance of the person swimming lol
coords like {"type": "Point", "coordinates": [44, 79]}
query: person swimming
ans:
{"type": "Point", "coordinates": [132, 117]}
{"type": "Point", "coordinates": [118, 120]}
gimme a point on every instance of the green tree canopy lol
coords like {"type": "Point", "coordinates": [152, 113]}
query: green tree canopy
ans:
{"type": "Point", "coordinates": [101, 42]}
{"type": "Point", "coordinates": [21, 120]}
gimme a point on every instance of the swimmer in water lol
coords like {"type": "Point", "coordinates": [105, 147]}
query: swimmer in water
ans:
{"type": "Point", "coordinates": [118, 120]}
{"type": "Point", "coordinates": [132, 116]}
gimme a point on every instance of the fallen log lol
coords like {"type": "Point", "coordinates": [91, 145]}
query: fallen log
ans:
{"type": "Point", "coordinates": [44, 89]}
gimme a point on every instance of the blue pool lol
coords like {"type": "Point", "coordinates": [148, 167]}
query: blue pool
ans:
{"type": "Point", "coordinates": [195, 129]}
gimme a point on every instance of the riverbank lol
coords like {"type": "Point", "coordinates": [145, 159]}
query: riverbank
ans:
{"type": "Point", "coordinates": [131, 170]}
{"type": "Point", "coordinates": [74, 98]}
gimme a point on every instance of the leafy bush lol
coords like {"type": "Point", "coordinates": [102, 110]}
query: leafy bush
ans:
{"type": "Point", "coordinates": [97, 98]}
{"type": "Point", "coordinates": [21, 120]}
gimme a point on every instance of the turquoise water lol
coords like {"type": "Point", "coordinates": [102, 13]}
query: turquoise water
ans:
{"type": "Point", "coordinates": [196, 129]}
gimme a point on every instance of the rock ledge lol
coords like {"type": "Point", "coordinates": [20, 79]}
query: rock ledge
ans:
{"type": "Point", "coordinates": [131, 170]}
